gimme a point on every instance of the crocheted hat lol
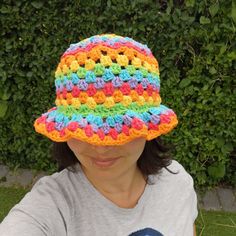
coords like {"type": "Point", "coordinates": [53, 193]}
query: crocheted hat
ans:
{"type": "Point", "coordinates": [107, 93]}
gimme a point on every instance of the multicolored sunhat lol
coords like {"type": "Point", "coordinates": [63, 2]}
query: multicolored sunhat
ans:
{"type": "Point", "coordinates": [107, 93]}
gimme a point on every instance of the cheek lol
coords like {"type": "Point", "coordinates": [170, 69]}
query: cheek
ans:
{"type": "Point", "coordinates": [136, 153]}
{"type": "Point", "coordinates": [133, 152]}
{"type": "Point", "coordinates": [136, 147]}
{"type": "Point", "coordinates": [137, 150]}
{"type": "Point", "coordinates": [76, 146]}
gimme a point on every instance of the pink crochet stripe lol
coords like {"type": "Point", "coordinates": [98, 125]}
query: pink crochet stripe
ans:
{"type": "Point", "coordinates": [114, 46]}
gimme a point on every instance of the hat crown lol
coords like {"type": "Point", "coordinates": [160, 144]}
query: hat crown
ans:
{"type": "Point", "coordinates": [108, 70]}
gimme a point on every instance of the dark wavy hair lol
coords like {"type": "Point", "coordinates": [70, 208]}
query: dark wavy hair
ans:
{"type": "Point", "coordinates": [154, 157]}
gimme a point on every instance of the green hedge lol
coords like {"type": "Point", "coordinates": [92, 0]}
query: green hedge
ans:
{"type": "Point", "coordinates": [194, 42]}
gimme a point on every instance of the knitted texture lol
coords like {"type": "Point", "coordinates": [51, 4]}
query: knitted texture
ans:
{"type": "Point", "coordinates": [107, 93]}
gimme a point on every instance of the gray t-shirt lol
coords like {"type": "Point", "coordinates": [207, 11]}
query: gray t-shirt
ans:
{"type": "Point", "coordinates": [66, 203]}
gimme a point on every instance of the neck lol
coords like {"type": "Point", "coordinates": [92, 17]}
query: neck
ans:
{"type": "Point", "coordinates": [123, 190]}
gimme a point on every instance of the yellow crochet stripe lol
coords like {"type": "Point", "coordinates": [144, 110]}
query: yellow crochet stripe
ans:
{"type": "Point", "coordinates": [110, 102]}
{"type": "Point", "coordinates": [121, 138]}
{"type": "Point", "coordinates": [65, 70]}
{"type": "Point", "coordinates": [123, 56]}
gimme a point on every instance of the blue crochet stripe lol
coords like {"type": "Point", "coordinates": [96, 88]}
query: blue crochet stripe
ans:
{"type": "Point", "coordinates": [151, 115]}
{"type": "Point", "coordinates": [108, 75]}
{"type": "Point", "coordinates": [124, 76]}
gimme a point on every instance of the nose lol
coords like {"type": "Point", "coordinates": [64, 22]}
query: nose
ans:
{"type": "Point", "coordinates": [102, 149]}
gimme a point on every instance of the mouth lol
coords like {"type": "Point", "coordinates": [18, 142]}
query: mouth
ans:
{"type": "Point", "coordinates": [104, 162]}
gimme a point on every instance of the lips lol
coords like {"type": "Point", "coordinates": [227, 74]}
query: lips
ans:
{"type": "Point", "coordinates": [104, 162]}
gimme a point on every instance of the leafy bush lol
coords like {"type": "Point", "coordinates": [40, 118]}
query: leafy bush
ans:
{"type": "Point", "coordinates": [193, 41]}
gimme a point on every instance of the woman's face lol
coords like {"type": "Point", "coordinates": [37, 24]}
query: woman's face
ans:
{"type": "Point", "coordinates": [107, 161]}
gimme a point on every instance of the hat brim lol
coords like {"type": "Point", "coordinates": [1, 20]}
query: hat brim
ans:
{"type": "Point", "coordinates": [49, 127]}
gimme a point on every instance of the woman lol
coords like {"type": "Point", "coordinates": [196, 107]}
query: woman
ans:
{"type": "Point", "coordinates": [114, 179]}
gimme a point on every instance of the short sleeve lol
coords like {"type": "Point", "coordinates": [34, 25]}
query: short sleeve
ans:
{"type": "Point", "coordinates": [43, 211]}
{"type": "Point", "coordinates": [187, 186]}
{"type": "Point", "coordinates": [192, 199]}
{"type": "Point", "coordinates": [18, 222]}
{"type": "Point", "coordinates": [193, 204]}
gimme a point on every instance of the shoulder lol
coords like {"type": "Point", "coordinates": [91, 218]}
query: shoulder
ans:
{"type": "Point", "coordinates": [58, 183]}
{"type": "Point", "coordinates": [175, 191]}
{"type": "Point", "coordinates": [48, 188]}
{"type": "Point", "coordinates": [180, 178]}
{"type": "Point", "coordinates": [52, 179]}
{"type": "Point", "coordinates": [56, 191]}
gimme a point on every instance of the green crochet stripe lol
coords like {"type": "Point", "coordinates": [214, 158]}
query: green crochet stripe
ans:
{"type": "Point", "coordinates": [115, 68]}
{"type": "Point", "coordinates": [102, 111]}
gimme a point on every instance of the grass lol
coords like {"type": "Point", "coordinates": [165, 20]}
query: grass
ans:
{"type": "Point", "coordinates": [216, 223]}
{"type": "Point", "coordinates": [208, 223]}
{"type": "Point", "coordinates": [9, 197]}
